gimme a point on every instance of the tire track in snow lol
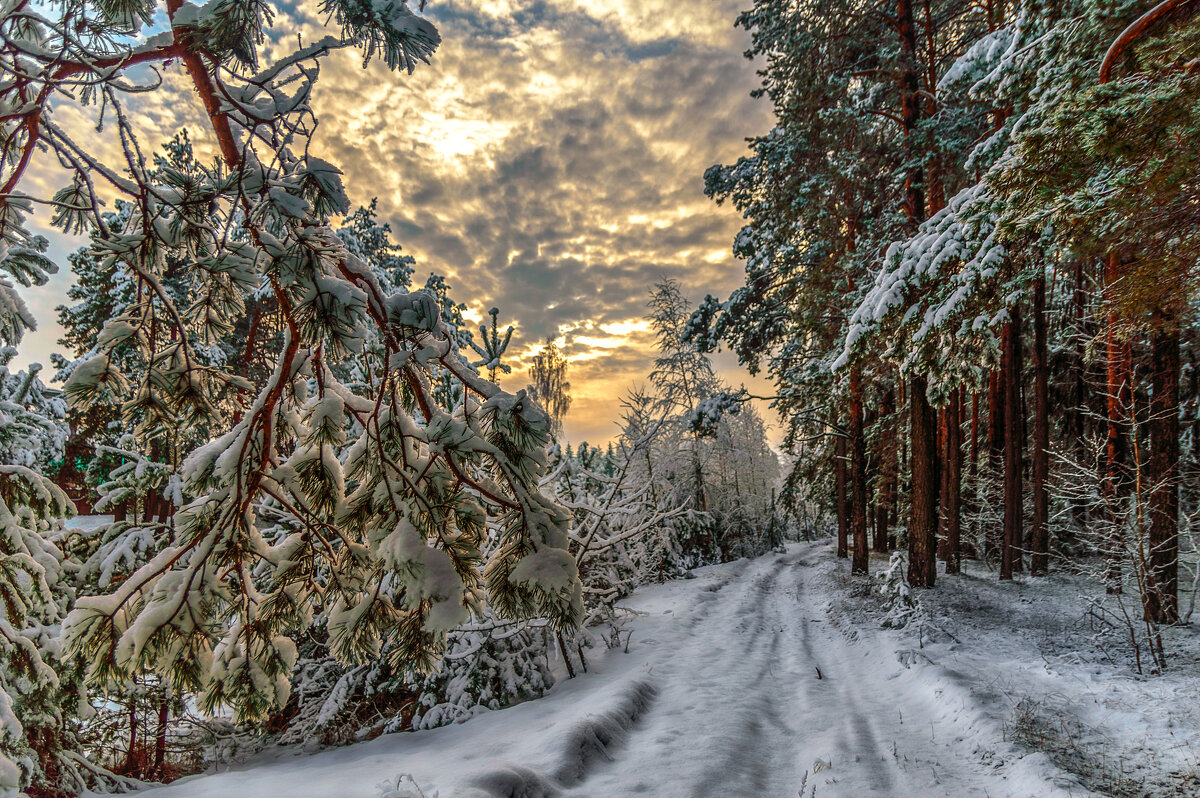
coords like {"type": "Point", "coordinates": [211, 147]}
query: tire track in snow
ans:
{"type": "Point", "coordinates": [591, 743]}
{"type": "Point", "coordinates": [759, 692]}
{"type": "Point", "coordinates": [726, 680]}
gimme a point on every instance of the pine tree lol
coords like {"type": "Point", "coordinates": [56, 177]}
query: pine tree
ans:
{"type": "Point", "coordinates": [387, 537]}
{"type": "Point", "coordinates": [1108, 167]}
{"type": "Point", "coordinates": [870, 91]}
{"type": "Point", "coordinates": [40, 686]}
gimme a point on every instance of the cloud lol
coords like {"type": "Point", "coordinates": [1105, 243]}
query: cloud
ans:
{"type": "Point", "coordinates": [550, 161]}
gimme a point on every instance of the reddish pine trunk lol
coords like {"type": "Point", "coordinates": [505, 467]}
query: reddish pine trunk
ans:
{"type": "Point", "coordinates": [562, 648]}
{"type": "Point", "coordinates": [910, 109]}
{"type": "Point", "coordinates": [840, 499]}
{"type": "Point", "coordinates": [1010, 553]}
{"type": "Point", "coordinates": [922, 528]}
{"type": "Point", "coordinates": [1074, 422]}
{"type": "Point", "coordinates": [953, 482]}
{"type": "Point", "coordinates": [885, 492]}
{"type": "Point", "coordinates": [943, 435]}
{"type": "Point", "coordinates": [995, 418]}
{"type": "Point", "coordinates": [1039, 560]}
{"type": "Point", "coordinates": [130, 767]}
{"type": "Point", "coordinates": [1116, 406]}
{"type": "Point", "coordinates": [858, 476]}
{"type": "Point", "coordinates": [1162, 604]}
{"type": "Point", "coordinates": [974, 432]}
{"type": "Point", "coordinates": [160, 741]}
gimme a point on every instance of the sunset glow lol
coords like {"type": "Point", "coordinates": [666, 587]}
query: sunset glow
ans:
{"type": "Point", "coordinates": [548, 162]}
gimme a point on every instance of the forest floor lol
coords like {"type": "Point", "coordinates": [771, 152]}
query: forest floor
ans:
{"type": "Point", "coordinates": [773, 677]}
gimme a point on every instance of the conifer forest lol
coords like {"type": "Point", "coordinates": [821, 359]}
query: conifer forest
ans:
{"type": "Point", "coordinates": [683, 398]}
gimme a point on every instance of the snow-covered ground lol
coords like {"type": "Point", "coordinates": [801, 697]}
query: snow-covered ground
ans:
{"type": "Point", "coordinates": [1050, 662]}
{"type": "Point", "coordinates": [772, 677]}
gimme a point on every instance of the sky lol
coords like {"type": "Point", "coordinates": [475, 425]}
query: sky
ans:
{"type": "Point", "coordinates": [549, 161]}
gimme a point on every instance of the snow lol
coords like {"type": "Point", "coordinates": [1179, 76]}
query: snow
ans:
{"type": "Point", "coordinates": [760, 676]}
{"type": "Point", "coordinates": [1036, 659]}
{"type": "Point", "coordinates": [418, 309]}
{"type": "Point", "coordinates": [426, 573]}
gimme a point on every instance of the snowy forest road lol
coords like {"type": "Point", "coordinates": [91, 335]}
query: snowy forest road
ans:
{"type": "Point", "coordinates": [744, 681]}
{"type": "Point", "coordinates": [760, 692]}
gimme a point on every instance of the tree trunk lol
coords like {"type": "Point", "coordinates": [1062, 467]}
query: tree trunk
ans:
{"type": "Point", "coordinates": [1040, 559]}
{"type": "Point", "coordinates": [130, 767]}
{"type": "Point", "coordinates": [858, 475]}
{"type": "Point", "coordinates": [840, 499]}
{"type": "Point", "coordinates": [1074, 423]}
{"type": "Point", "coordinates": [953, 495]}
{"type": "Point", "coordinates": [160, 741]}
{"type": "Point", "coordinates": [1011, 378]}
{"type": "Point", "coordinates": [943, 435]}
{"type": "Point", "coordinates": [1163, 472]}
{"type": "Point", "coordinates": [922, 527]}
{"type": "Point", "coordinates": [1116, 409]}
{"type": "Point", "coordinates": [995, 417]}
{"type": "Point", "coordinates": [974, 432]}
{"type": "Point", "coordinates": [910, 110]}
{"type": "Point", "coordinates": [562, 648]}
{"type": "Point", "coordinates": [886, 489]}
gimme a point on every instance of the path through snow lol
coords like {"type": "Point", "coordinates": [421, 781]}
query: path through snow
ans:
{"type": "Point", "coordinates": [737, 683]}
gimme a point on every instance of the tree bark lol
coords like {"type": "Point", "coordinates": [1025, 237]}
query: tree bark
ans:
{"type": "Point", "coordinates": [995, 417]}
{"type": "Point", "coordinates": [953, 481]}
{"type": "Point", "coordinates": [858, 475]}
{"type": "Point", "coordinates": [1117, 362]}
{"type": "Point", "coordinates": [910, 110]}
{"type": "Point", "coordinates": [943, 450]}
{"type": "Point", "coordinates": [840, 499]}
{"type": "Point", "coordinates": [886, 489]}
{"type": "Point", "coordinates": [130, 767]}
{"type": "Point", "coordinates": [922, 527]}
{"type": "Point", "coordinates": [1040, 559]}
{"type": "Point", "coordinates": [160, 741]}
{"type": "Point", "coordinates": [974, 432]}
{"type": "Point", "coordinates": [1011, 378]}
{"type": "Point", "coordinates": [1074, 427]}
{"type": "Point", "coordinates": [1163, 471]}
{"type": "Point", "coordinates": [562, 648]}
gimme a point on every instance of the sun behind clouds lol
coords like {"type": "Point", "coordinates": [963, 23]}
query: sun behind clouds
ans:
{"type": "Point", "coordinates": [548, 162]}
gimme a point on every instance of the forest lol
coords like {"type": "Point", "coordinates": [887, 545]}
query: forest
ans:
{"type": "Point", "coordinates": [281, 517]}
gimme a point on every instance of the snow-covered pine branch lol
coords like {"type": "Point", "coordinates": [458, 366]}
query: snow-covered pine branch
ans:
{"type": "Point", "coordinates": [399, 509]}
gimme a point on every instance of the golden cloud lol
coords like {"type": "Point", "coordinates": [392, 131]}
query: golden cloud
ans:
{"type": "Point", "coordinates": [549, 162]}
